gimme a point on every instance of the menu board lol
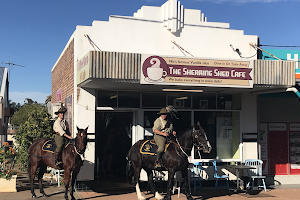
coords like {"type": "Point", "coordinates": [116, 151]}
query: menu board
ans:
{"type": "Point", "coordinates": [295, 148]}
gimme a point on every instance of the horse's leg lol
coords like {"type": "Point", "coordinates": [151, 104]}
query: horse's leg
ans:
{"type": "Point", "coordinates": [152, 185]}
{"type": "Point", "coordinates": [171, 174]}
{"type": "Point", "coordinates": [31, 174]}
{"type": "Point", "coordinates": [67, 174]}
{"type": "Point", "coordinates": [42, 170]}
{"type": "Point", "coordinates": [74, 176]}
{"type": "Point", "coordinates": [187, 186]}
{"type": "Point", "coordinates": [137, 172]}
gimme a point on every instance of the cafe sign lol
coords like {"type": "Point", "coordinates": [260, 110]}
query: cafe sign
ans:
{"type": "Point", "coordinates": [196, 72]}
{"type": "Point", "coordinates": [83, 68]}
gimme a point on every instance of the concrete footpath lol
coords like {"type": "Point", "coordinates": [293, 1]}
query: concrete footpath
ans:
{"type": "Point", "coordinates": [123, 191]}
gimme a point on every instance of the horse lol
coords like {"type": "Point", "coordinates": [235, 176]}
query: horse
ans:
{"type": "Point", "coordinates": [174, 159]}
{"type": "Point", "coordinates": [71, 157]}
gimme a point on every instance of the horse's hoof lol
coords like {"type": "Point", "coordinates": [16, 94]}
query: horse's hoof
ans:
{"type": "Point", "coordinates": [33, 196]}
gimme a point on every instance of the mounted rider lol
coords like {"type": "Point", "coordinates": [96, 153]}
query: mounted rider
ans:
{"type": "Point", "coordinates": [61, 129]}
{"type": "Point", "coordinates": [162, 128]}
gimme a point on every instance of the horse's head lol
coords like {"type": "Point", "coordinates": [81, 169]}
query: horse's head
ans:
{"type": "Point", "coordinates": [200, 139]}
{"type": "Point", "coordinates": [81, 140]}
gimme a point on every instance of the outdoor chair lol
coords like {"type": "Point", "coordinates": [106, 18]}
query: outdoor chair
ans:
{"type": "Point", "coordinates": [196, 175]}
{"type": "Point", "coordinates": [177, 182]}
{"type": "Point", "coordinates": [255, 173]}
{"type": "Point", "coordinates": [220, 177]}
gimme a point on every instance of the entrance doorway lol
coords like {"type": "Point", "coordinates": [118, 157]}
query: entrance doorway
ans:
{"type": "Point", "coordinates": [113, 141]}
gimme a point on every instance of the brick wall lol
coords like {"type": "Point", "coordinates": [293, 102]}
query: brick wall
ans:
{"type": "Point", "coordinates": [63, 74]}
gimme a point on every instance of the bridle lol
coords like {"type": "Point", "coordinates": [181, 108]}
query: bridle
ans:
{"type": "Point", "coordinates": [77, 149]}
{"type": "Point", "coordinates": [194, 136]}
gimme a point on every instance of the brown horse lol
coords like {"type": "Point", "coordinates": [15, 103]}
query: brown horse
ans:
{"type": "Point", "coordinates": [174, 159]}
{"type": "Point", "coordinates": [71, 157]}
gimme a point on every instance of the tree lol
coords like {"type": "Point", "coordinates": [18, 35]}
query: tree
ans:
{"type": "Point", "coordinates": [21, 115]}
{"type": "Point", "coordinates": [14, 105]}
{"type": "Point", "coordinates": [36, 123]}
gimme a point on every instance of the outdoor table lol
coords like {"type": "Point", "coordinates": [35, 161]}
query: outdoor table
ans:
{"type": "Point", "coordinates": [237, 169]}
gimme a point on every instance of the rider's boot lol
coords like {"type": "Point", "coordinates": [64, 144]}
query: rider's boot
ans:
{"type": "Point", "coordinates": [57, 158]}
{"type": "Point", "coordinates": [158, 160]}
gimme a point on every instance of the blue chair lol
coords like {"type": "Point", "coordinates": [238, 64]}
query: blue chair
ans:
{"type": "Point", "coordinates": [255, 173]}
{"type": "Point", "coordinates": [196, 175]}
{"type": "Point", "coordinates": [221, 177]}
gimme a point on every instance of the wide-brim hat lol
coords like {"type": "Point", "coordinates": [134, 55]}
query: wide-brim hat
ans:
{"type": "Point", "coordinates": [163, 111]}
{"type": "Point", "coordinates": [61, 110]}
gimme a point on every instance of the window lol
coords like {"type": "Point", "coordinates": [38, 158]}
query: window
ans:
{"type": "Point", "coordinates": [153, 100]}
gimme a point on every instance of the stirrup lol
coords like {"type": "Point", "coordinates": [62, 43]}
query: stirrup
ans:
{"type": "Point", "coordinates": [158, 165]}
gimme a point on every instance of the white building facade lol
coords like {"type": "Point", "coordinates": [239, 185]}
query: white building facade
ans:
{"type": "Point", "coordinates": [207, 71]}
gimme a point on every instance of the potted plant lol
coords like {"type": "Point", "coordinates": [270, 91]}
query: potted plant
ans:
{"type": "Point", "coordinates": [8, 177]}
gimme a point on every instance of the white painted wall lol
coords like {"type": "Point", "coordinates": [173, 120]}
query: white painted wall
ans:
{"type": "Point", "coordinates": [86, 118]}
{"type": "Point", "coordinates": [249, 124]}
{"type": "Point", "coordinates": [147, 34]}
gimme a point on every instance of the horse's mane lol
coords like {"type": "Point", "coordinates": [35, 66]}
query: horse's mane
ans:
{"type": "Point", "coordinates": [180, 133]}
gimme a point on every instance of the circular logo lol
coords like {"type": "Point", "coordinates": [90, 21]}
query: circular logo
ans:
{"type": "Point", "coordinates": [155, 68]}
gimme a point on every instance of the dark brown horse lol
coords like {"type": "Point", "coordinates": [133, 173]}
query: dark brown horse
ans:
{"type": "Point", "coordinates": [71, 157]}
{"type": "Point", "coordinates": [174, 159]}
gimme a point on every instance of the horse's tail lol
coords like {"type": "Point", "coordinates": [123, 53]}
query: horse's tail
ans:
{"type": "Point", "coordinates": [29, 167]}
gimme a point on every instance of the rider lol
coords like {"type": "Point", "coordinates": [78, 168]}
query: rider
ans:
{"type": "Point", "coordinates": [61, 128]}
{"type": "Point", "coordinates": [162, 128]}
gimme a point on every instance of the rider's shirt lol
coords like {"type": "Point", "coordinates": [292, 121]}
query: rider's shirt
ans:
{"type": "Point", "coordinates": [60, 126]}
{"type": "Point", "coordinates": [160, 124]}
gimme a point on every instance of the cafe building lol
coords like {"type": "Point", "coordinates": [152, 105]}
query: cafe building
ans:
{"type": "Point", "coordinates": [114, 76]}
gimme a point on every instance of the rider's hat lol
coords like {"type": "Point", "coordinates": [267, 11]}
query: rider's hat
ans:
{"type": "Point", "coordinates": [163, 111]}
{"type": "Point", "coordinates": [61, 110]}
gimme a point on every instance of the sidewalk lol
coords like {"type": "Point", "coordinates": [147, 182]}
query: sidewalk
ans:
{"type": "Point", "coordinates": [208, 193]}
{"type": "Point", "coordinates": [124, 191]}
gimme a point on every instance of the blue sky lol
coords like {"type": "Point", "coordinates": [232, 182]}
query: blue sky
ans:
{"type": "Point", "coordinates": [33, 33]}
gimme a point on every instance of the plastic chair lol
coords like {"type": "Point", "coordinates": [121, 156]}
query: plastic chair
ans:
{"type": "Point", "coordinates": [255, 173]}
{"type": "Point", "coordinates": [57, 175]}
{"type": "Point", "coordinates": [196, 175]}
{"type": "Point", "coordinates": [177, 182]}
{"type": "Point", "coordinates": [221, 177]}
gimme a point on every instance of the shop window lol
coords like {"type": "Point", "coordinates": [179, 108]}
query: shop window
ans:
{"type": "Point", "coordinates": [128, 99]}
{"type": "Point", "coordinates": [181, 123]}
{"type": "Point", "coordinates": [107, 99]}
{"type": "Point", "coordinates": [224, 101]}
{"type": "Point", "coordinates": [180, 100]}
{"type": "Point", "coordinates": [204, 101]}
{"type": "Point", "coordinates": [153, 100]}
{"type": "Point", "coordinates": [221, 132]}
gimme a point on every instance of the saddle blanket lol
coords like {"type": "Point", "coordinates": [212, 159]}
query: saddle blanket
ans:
{"type": "Point", "coordinates": [50, 146]}
{"type": "Point", "coordinates": [149, 147]}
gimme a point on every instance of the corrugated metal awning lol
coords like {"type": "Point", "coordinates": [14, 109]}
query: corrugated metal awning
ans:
{"type": "Point", "coordinates": [126, 67]}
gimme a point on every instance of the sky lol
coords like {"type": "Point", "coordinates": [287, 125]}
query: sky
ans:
{"type": "Point", "coordinates": [33, 33]}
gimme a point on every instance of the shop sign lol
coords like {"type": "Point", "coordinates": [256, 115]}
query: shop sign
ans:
{"type": "Point", "coordinates": [59, 95]}
{"type": "Point", "coordinates": [69, 114]}
{"type": "Point", "coordinates": [196, 72]}
{"type": "Point", "coordinates": [284, 54]}
{"type": "Point", "coordinates": [277, 127]}
{"type": "Point", "coordinates": [83, 68]}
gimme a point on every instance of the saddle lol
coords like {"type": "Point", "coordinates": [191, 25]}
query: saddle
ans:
{"type": "Point", "coordinates": [149, 147]}
{"type": "Point", "coordinates": [50, 145]}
